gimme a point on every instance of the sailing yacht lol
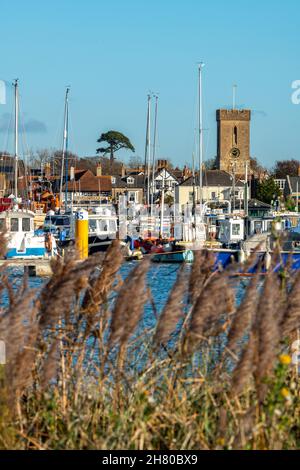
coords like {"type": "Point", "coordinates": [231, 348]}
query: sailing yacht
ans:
{"type": "Point", "coordinates": [23, 242]}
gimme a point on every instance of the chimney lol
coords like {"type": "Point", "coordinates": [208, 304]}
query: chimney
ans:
{"type": "Point", "coordinates": [186, 172]}
{"type": "Point", "coordinates": [47, 170]}
{"type": "Point", "coordinates": [123, 170]}
{"type": "Point", "coordinates": [99, 169]}
{"type": "Point", "coordinates": [162, 164]}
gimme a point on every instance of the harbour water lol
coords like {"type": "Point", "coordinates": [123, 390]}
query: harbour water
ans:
{"type": "Point", "coordinates": [160, 280]}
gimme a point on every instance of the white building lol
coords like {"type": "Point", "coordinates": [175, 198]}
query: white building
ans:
{"type": "Point", "coordinates": [218, 186]}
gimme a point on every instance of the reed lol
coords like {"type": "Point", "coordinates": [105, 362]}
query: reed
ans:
{"type": "Point", "coordinates": [82, 373]}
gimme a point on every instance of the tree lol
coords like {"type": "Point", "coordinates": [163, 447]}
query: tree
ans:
{"type": "Point", "coordinates": [135, 162]}
{"type": "Point", "coordinates": [72, 159]}
{"type": "Point", "coordinates": [169, 199]}
{"type": "Point", "coordinates": [115, 141]}
{"type": "Point", "coordinates": [290, 204]}
{"type": "Point", "coordinates": [268, 191]}
{"type": "Point", "coordinates": [282, 168]}
{"type": "Point", "coordinates": [256, 168]}
{"type": "Point", "coordinates": [38, 158]}
{"type": "Point", "coordinates": [211, 163]}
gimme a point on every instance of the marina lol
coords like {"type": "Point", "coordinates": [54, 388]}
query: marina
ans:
{"type": "Point", "coordinates": [149, 231]}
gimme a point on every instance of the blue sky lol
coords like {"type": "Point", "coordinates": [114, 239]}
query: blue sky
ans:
{"type": "Point", "coordinates": [113, 52]}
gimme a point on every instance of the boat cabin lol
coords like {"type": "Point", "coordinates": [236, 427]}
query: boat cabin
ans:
{"type": "Point", "coordinates": [22, 241]}
{"type": "Point", "coordinates": [17, 221]}
{"type": "Point", "coordinates": [103, 223]}
{"type": "Point", "coordinates": [231, 230]}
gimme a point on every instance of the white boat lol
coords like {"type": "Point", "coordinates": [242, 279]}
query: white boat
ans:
{"type": "Point", "coordinates": [22, 241]}
{"type": "Point", "coordinates": [18, 224]}
{"type": "Point", "coordinates": [103, 228]}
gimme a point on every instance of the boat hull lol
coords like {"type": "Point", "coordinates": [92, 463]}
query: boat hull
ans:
{"type": "Point", "coordinates": [97, 244]}
{"type": "Point", "coordinates": [291, 258]}
{"type": "Point", "coordinates": [222, 257]}
{"type": "Point", "coordinates": [186, 256]}
{"type": "Point", "coordinates": [28, 253]}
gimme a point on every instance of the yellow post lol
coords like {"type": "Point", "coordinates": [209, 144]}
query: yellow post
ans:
{"type": "Point", "coordinates": [82, 233]}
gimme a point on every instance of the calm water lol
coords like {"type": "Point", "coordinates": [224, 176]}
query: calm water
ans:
{"type": "Point", "coordinates": [160, 279]}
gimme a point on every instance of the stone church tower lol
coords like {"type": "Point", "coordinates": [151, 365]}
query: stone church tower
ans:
{"type": "Point", "coordinates": [233, 140]}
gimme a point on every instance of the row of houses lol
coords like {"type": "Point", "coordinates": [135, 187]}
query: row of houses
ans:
{"type": "Point", "coordinates": [290, 186]}
{"type": "Point", "coordinates": [87, 186]}
{"type": "Point", "coordinates": [217, 186]}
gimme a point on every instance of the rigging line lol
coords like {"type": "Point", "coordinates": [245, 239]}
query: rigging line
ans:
{"type": "Point", "coordinates": [8, 131]}
{"type": "Point", "coordinates": [205, 153]}
{"type": "Point", "coordinates": [24, 145]}
{"type": "Point", "coordinates": [57, 141]}
{"type": "Point", "coordinates": [194, 120]}
{"type": "Point", "coordinates": [73, 134]}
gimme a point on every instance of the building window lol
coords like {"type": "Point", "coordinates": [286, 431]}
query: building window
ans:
{"type": "Point", "coordinates": [235, 135]}
{"type": "Point", "coordinates": [130, 180]}
{"type": "Point", "coordinates": [113, 180]}
{"type": "Point", "coordinates": [280, 183]}
{"type": "Point", "coordinates": [132, 196]}
{"type": "Point", "coordinates": [213, 195]}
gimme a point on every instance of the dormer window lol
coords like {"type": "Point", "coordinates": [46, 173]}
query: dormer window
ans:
{"type": "Point", "coordinates": [113, 180]}
{"type": "Point", "coordinates": [130, 180]}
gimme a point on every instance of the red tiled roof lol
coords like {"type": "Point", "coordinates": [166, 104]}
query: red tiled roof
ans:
{"type": "Point", "coordinates": [88, 182]}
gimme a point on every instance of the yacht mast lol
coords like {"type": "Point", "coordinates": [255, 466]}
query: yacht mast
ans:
{"type": "Point", "coordinates": [153, 154]}
{"type": "Point", "coordinates": [200, 67]}
{"type": "Point", "coordinates": [16, 136]}
{"type": "Point", "coordinates": [148, 149]}
{"type": "Point", "coordinates": [64, 150]}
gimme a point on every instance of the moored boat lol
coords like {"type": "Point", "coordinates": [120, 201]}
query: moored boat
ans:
{"type": "Point", "coordinates": [22, 241]}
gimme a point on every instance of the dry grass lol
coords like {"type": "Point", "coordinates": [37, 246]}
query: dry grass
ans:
{"type": "Point", "coordinates": [80, 374]}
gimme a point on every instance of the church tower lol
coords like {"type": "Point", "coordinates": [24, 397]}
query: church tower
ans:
{"type": "Point", "coordinates": [233, 140]}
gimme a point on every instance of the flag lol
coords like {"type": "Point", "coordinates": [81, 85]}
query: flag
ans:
{"type": "Point", "coordinates": [2, 92]}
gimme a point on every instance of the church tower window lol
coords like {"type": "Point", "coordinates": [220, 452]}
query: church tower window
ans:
{"type": "Point", "coordinates": [235, 134]}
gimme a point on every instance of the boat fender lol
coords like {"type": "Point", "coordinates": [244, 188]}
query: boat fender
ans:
{"type": "Point", "coordinates": [268, 260]}
{"type": "Point", "coordinates": [48, 242]}
{"type": "Point", "coordinates": [241, 256]}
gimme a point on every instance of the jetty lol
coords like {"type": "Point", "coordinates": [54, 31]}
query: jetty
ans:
{"type": "Point", "coordinates": [34, 267]}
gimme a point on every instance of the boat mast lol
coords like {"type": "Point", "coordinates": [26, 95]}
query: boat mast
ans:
{"type": "Point", "coordinates": [149, 149]}
{"type": "Point", "coordinates": [146, 147]}
{"type": "Point", "coordinates": [194, 184]}
{"type": "Point", "coordinates": [200, 117]}
{"type": "Point", "coordinates": [16, 136]}
{"type": "Point", "coordinates": [153, 154]}
{"type": "Point", "coordinates": [64, 150]}
{"type": "Point", "coordinates": [162, 206]}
